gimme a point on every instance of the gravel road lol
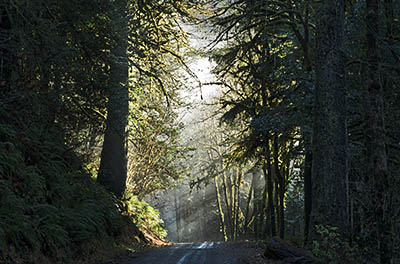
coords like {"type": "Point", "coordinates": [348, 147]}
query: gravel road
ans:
{"type": "Point", "coordinates": [189, 253]}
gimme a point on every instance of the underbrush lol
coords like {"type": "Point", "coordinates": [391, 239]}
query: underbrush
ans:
{"type": "Point", "coordinates": [333, 248]}
{"type": "Point", "coordinates": [51, 210]}
{"type": "Point", "coordinates": [145, 217]}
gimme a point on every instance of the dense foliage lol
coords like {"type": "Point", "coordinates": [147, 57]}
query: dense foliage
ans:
{"type": "Point", "coordinates": [308, 117]}
{"type": "Point", "coordinates": [277, 59]}
{"type": "Point", "coordinates": [67, 69]}
{"type": "Point", "coordinates": [50, 206]}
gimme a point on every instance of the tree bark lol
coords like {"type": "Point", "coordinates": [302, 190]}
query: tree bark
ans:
{"type": "Point", "coordinates": [329, 144]}
{"type": "Point", "coordinates": [238, 181]}
{"type": "Point", "coordinates": [227, 203]}
{"type": "Point", "coordinates": [234, 202]}
{"type": "Point", "coordinates": [307, 182]}
{"type": "Point", "coordinates": [307, 194]}
{"type": "Point", "coordinates": [113, 165]}
{"type": "Point", "coordinates": [247, 215]}
{"type": "Point", "coordinates": [258, 197]}
{"type": "Point", "coordinates": [177, 216]}
{"type": "Point", "coordinates": [280, 177]}
{"type": "Point", "coordinates": [376, 141]}
{"type": "Point", "coordinates": [220, 209]}
{"type": "Point", "coordinates": [231, 196]}
{"type": "Point", "coordinates": [267, 169]}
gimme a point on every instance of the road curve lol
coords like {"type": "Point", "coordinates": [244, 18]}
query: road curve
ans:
{"type": "Point", "coordinates": [187, 253]}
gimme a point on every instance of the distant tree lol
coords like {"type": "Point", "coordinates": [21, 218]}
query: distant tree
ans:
{"type": "Point", "coordinates": [266, 68]}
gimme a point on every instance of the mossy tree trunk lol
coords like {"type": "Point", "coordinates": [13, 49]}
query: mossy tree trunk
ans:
{"type": "Point", "coordinates": [281, 187]}
{"type": "Point", "coordinates": [220, 209]}
{"type": "Point", "coordinates": [113, 165]}
{"type": "Point", "coordinates": [238, 183]}
{"type": "Point", "coordinates": [329, 143]}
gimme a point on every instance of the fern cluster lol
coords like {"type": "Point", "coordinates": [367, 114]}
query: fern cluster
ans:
{"type": "Point", "coordinates": [48, 207]}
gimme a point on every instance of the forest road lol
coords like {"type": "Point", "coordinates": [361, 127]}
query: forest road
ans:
{"type": "Point", "coordinates": [189, 253]}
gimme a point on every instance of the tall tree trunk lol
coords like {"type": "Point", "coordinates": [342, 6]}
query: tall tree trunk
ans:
{"type": "Point", "coordinates": [376, 147]}
{"type": "Point", "coordinates": [239, 172]}
{"type": "Point", "coordinates": [256, 206]}
{"type": "Point", "coordinates": [177, 216]}
{"type": "Point", "coordinates": [201, 214]}
{"type": "Point", "coordinates": [258, 197]}
{"type": "Point", "coordinates": [228, 203]}
{"type": "Point", "coordinates": [280, 177]}
{"type": "Point", "coordinates": [307, 182]}
{"type": "Point", "coordinates": [329, 168]}
{"type": "Point", "coordinates": [235, 176]}
{"type": "Point", "coordinates": [307, 193]}
{"type": "Point", "coordinates": [220, 209]}
{"type": "Point", "coordinates": [276, 200]}
{"type": "Point", "coordinates": [267, 169]}
{"type": "Point", "coordinates": [231, 196]}
{"type": "Point", "coordinates": [113, 165]}
{"type": "Point", "coordinates": [282, 192]}
{"type": "Point", "coordinates": [247, 216]}
{"type": "Point", "coordinates": [264, 227]}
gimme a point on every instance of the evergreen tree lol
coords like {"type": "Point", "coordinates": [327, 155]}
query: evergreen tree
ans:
{"type": "Point", "coordinates": [329, 167]}
{"type": "Point", "coordinates": [113, 165]}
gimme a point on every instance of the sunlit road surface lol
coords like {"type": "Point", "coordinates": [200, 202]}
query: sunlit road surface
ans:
{"type": "Point", "coordinates": [187, 253]}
